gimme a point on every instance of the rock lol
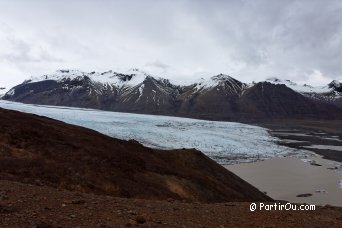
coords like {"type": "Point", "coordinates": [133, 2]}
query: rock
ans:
{"type": "Point", "coordinates": [229, 204]}
{"type": "Point", "coordinates": [304, 195]}
{"type": "Point", "coordinates": [321, 191]}
{"type": "Point", "coordinates": [140, 220]}
{"type": "Point", "coordinates": [131, 212]}
{"type": "Point", "coordinates": [38, 182]}
{"type": "Point", "coordinates": [6, 210]}
{"type": "Point", "coordinates": [131, 222]}
{"type": "Point", "coordinates": [78, 202]}
{"type": "Point", "coordinates": [3, 195]}
{"type": "Point", "coordinates": [315, 164]}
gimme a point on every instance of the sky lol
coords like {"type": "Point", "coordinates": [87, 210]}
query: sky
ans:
{"type": "Point", "coordinates": [182, 40]}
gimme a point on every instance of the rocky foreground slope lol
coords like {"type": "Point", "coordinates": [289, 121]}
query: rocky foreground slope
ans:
{"type": "Point", "coordinates": [219, 98]}
{"type": "Point", "coordinates": [42, 151]}
{"type": "Point", "coordinates": [40, 206]}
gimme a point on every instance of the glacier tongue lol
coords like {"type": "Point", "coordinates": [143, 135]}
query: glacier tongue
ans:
{"type": "Point", "coordinates": [225, 142]}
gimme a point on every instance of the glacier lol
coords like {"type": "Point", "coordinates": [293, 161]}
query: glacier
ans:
{"type": "Point", "coordinates": [224, 142]}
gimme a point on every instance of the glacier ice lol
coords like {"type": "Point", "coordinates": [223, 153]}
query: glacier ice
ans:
{"type": "Point", "coordinates": [224, 142]}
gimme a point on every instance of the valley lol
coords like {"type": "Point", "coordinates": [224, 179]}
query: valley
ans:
{"type": "Point", "coordinates": [243, 149]}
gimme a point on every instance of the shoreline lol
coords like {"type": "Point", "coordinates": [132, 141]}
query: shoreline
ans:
{"type": "Point", "coordinates": [286, 178]}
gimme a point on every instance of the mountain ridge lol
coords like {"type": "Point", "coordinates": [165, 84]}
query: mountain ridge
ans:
{"type": "Point", "coordinates": [221, 97]}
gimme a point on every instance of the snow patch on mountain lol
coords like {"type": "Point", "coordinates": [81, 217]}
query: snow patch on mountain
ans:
{"type": "Point", "coordinates": [11, 92]}
{"type": "Point", "coordinates": [131, 77]}
{"type": "Point", "coordinates": [220, 80]}
{"type": "Point", "coordinates": [336, 85]}
{"type": "Point", "coordinates": [59, 75]}
{"type": "Point", "coordinates": [300, 88]}
{"type": "Point", "coordinates": [141, 90]}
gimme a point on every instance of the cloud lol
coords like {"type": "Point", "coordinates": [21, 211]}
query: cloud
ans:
{"type": "Point", "coordinates": [158, 64]}
{"type": "Point", "coordinates": [20, 51]}
{"type": "Point", "coordinates": [180, 39]}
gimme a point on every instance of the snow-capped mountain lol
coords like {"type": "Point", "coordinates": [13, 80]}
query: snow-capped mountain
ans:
{"type": "Point", "coordinates": [122, 80]}
{"type": "Point", "coordinates": [331, 93]}
{"type": "Point", "coordinates": [220, 97]}
{"type": "Point", "coordinates": [299, 88]}
{"type": "Point", "coordinates": [336, 85]}
{"type": "Point", "coordinates": [221, 81]}
{"type": "Point", "coordinates": [77, 88]}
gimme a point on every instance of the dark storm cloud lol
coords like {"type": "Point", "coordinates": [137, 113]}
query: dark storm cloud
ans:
{"type": "Point", "coordinates": [250, 40]}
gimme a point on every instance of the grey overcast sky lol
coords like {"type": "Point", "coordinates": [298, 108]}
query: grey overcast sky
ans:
{"type": "Point", "coordinates": [177, 39]}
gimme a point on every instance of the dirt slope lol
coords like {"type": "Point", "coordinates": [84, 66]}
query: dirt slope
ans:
{"type": "Point", "coordinates": [23, 205]}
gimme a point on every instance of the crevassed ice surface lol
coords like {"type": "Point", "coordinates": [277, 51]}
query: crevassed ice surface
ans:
{"type": "Point", "coordinates": [225, 142]}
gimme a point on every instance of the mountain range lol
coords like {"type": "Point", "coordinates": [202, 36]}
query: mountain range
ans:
{"type": "Point", "coordinates": [219, 98]}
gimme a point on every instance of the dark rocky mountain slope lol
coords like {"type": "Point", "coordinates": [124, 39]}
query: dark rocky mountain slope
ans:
{"type": "Point", "coordinates": [330, 93]}
{"type": "Point", "coordinates": [266, 100]}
